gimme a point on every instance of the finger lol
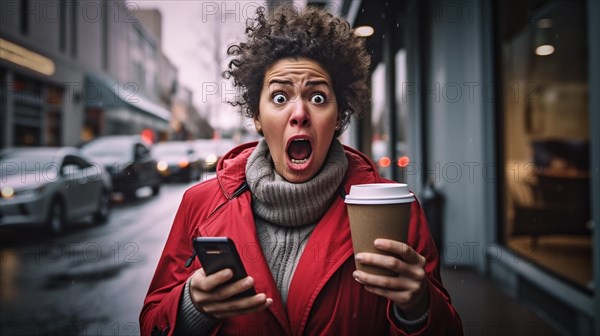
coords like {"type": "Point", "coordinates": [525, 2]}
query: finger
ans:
{"type": "Point", "coordinates": [235, 306]}
{"type": "Point", "coordinates": [207, 283]}
{"type": "Point", "coordinates": [385, 282]}
{"type": "Point", "coordinates": [227, 291]}
{"type": "Point", "coordinates": [391, 263]}
{"type": "Point", "coordinates": [266, 305]}
{"type": "Point", "coordinates": [396, 296]}
{"type": "Point", "coordinates": [403, 250]}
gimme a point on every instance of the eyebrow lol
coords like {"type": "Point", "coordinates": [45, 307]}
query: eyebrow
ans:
{"type": "Point", "coordinates": [317, 83]}
{"type": "Point", "coordinates": [281, 81]}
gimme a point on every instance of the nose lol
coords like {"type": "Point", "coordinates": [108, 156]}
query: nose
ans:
{"type": "Point", "coordinates": [300, 116]}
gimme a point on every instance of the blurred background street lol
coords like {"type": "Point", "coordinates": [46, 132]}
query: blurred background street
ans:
{"type": "Point", "coordinates": [109, 110]}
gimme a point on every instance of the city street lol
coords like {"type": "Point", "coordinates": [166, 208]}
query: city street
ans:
{"type": "Point", "coordinates": [89, 280]}
{"type": "Point", "coordinates": [483, 109]}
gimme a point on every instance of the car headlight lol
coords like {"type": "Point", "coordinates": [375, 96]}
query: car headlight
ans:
{"type": "Point", "coordinates": [7, 192]}
{"type": "Point", "coordinates": [162, 166]}
{"type": "Point", "coordinates": [211, 159]}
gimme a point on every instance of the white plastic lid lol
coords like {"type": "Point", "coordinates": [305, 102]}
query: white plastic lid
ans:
{"type": "Point", "coordinates": [379, 193]}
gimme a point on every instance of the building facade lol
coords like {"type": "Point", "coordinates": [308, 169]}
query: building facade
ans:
{"type": "Point", "coordinates": [494, 105]}
{"type": "Point", "coordinates": [74, 70]}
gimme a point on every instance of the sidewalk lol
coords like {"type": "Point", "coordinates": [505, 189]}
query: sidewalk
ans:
{"type": "Point", "coordinates": [486, 310]}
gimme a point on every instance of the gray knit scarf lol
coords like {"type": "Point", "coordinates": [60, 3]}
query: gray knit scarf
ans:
{"type": "Point", "coordinates": [293, 204]}
{"type": "Point", "coordinates": [286, 213]}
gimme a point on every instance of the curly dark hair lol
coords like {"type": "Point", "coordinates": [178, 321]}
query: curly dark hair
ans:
{"type": "Point", "coordinates": [311, 33]}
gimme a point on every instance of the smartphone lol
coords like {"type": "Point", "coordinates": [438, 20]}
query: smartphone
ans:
{"type": "Point", "coordinates": [217, 253]}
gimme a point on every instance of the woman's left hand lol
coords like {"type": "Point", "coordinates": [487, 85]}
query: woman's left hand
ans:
{"type": "Point", "coordinates": [408, 290]}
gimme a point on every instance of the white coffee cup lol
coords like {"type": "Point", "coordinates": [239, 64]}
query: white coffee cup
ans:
{"type": "Point", "coordinates": [378, 210]}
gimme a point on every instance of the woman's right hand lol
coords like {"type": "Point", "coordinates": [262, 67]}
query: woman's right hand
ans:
{"type": "Point", "coordinates": [216, 301]}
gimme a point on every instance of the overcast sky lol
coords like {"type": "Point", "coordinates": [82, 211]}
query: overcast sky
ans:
{"type": "Point", "coordinates": [191, 31]}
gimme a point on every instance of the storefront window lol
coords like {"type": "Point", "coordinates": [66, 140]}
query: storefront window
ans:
{"type": "Point", "coordinates": [54, 102]}
{"type": "Point", "coordinates": [53, 128]}
{"type": "Point", "coordinates": [27, 119]}
{"type": "Point", "coordinates": [545, 136]}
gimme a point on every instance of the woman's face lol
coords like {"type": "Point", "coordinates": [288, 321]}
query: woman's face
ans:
{"type": "Point", "coordinates": [298, 116]}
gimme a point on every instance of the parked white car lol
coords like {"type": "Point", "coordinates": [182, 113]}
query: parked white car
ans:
{"type": "Point", "coordinates": [50, 187]}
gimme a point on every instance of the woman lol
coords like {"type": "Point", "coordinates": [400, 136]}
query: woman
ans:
{"type": "Point", "coordinates": [301, 76]}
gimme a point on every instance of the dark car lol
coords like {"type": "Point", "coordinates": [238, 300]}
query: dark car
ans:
{"type": "Point", "coordinates": [211, 151]}
{"type": "Point", "coordinates": [127, 158]}
{"type": "Point", "coordinates": [177, 160]}
{"type": "Point", "coordinates": [51, 186]}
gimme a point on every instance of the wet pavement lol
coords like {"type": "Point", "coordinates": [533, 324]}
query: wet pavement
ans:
{"type": "Point", "coordinates": [89, 280]}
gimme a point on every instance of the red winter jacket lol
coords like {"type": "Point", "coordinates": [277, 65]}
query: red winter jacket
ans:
{"type": "Point", "coordinates": [323, 299]}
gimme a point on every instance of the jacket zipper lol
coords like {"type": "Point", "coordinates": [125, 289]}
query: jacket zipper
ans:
{"type": "Point", "coordinates": [188, 263]}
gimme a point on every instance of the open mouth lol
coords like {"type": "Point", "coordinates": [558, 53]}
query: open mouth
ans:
{"type": "Point", "coordinates": [299, 150]}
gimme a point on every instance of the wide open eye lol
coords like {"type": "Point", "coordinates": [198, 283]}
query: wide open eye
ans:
{"type": "Point", "coordinates": [279, 98]}
{"type": "Point", "coordinates": [318, 99]}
